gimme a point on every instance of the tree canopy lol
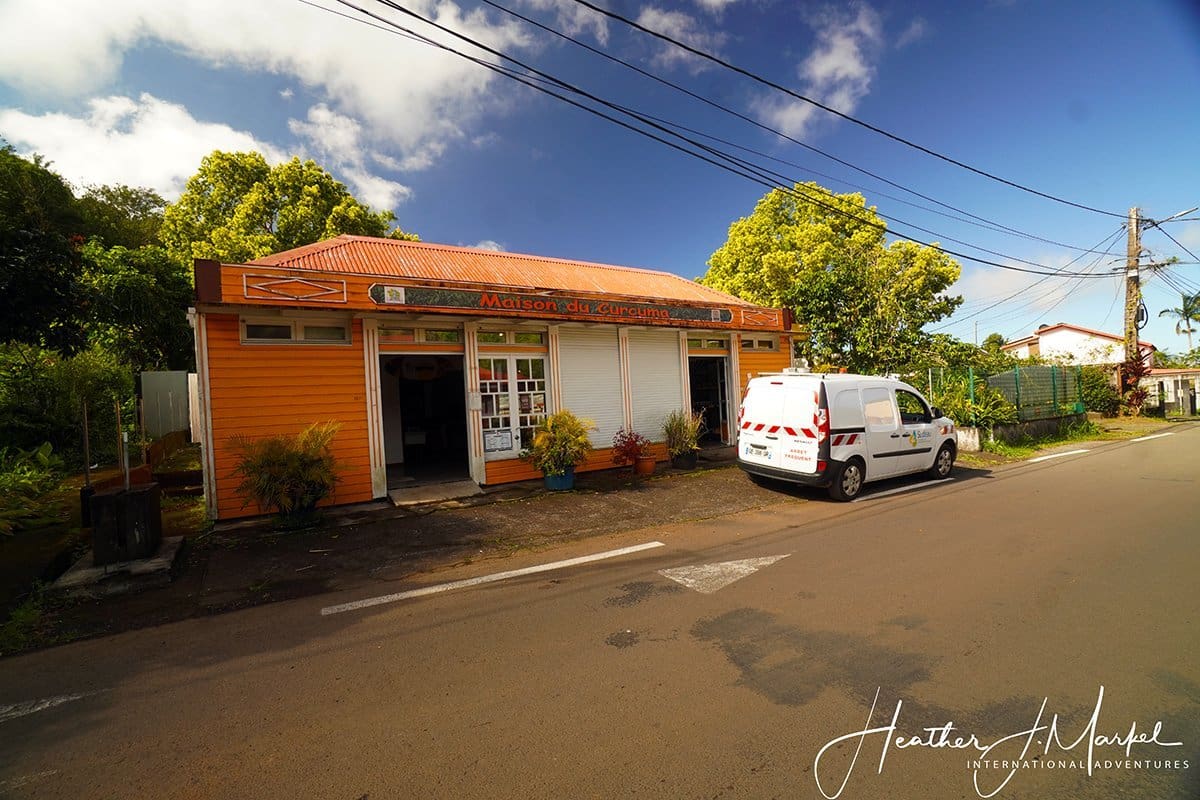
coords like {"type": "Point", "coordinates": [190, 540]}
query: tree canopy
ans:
{"type": "Point", "coordinates": [864, 301]}
{"type": "Point", "coordinates": [40, 295]}
{"type": "Point", "coordinates": [122, 216]}
{"type": "Point", "coordinates": [237, 208]}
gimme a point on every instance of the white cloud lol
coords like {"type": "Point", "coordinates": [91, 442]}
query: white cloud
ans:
{"type": "Point", "coordinates": [286, 94]}
{"type": "Point", "coordinates": [403, 92]}
{"type": "Point", "coordinates": [917, 29]}
{"type": "Point", "coordinates": [489, 244]}
{"type": "Point", "coordinates": [573, 19]}
{"type": "Point", "coordinates": [837, 72]}
{"type": "Point", "coordinates": [715, 6]}
{"type": "Point", "coordinates": [684, 28]}
{"type": "Point", "coordinates": [143, 142]}
{"type": "Point", "coordinates": [339, 144]}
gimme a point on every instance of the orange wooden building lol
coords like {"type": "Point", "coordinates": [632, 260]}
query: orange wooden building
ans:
{"type": "Point", "coordinates": [438, 361]}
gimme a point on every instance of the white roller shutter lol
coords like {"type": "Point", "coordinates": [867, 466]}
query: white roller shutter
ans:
{"type": "Point", "coordinates": [656, 378]}
{"type": "Point", "coordinates": [590, 379]}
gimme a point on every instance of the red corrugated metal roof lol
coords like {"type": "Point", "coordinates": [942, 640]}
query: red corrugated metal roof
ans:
{"type": "Point", "coordinates": [421, 261]}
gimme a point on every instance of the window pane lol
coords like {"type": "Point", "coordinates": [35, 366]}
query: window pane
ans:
{"type": "Point", "coordinates": [397, 335]}
{"type": "Point", "coordinates": [715, 344]}
{"type": "Point", "coordinates": [539, 369]}
{"type": "Point", "coordinates": [491, 337]}
{"type": "Point", "coordinates": [880, 412]}
{"type": "Point", "coordinates": [443, 336]}
{"type": "Point", "coordinates": [325, 333]}
{"type": "Point", "coordinates": [766, 344]}
{"type": "Point", "coordinates": [276, 332]}
{"type": "Point", "coordinates": [522, 369]}
{"type": "Point", "coordinates": [747, 344]}
{"type": "Point", "coordinates": [529, 338]}
{"type": "Point", "coordinates": [695, 343]}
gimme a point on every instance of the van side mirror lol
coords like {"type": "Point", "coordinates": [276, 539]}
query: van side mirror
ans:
{"type": "Point", "coordinates": [937, 412]}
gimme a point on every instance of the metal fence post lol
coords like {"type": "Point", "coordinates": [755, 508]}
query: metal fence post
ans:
{"type": "Point", "coordinates": [1017, 384]}
{"type": "Point", "coordinates": [1054, 390]}
{"type": "Point", "coordinates": [971, 395]}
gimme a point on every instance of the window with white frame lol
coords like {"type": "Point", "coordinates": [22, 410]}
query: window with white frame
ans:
{"type": "Point", "coordinates": [759, 343]}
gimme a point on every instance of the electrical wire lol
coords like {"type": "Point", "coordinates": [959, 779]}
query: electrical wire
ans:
{"type": "Point", "coordinates": [1176, 241]}
{"type": "Point", "coordinates": [982, 221]}
{"type": "Point", "coordinates": [727, 162]}
{"type": "Point", "coordinates": [849, 118]}
{"type": "Point", "coordinates": [1107, 243]}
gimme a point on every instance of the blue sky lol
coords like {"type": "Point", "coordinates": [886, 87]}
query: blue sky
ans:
{"type": "Point", "coordinates": [1096, 102]}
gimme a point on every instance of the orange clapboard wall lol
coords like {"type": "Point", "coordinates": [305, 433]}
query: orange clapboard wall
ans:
{"type": "Point", "coordinates": [751, 364]}
{"type": "Point", "coordinates": [262, 390]}
{"type": "Point", "coordinates": [514, 469]}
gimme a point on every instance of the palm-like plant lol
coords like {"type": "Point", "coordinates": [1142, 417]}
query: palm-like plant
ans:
{"type": "Point", "coordinates": [1186, 315]}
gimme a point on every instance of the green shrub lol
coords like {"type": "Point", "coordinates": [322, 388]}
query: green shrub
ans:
{"type": "Point", "coordinates": [989, 409]}
{"type": "Point", "coordinates": [560, 443]}
{"type": "Point", "coordinates": [288, 474]}
{"type": "Point", "coordinates": [682, 432]}
{"type": "Point", "coordinates": [1099, 394]}
{"type": "Point", "coordinates": [26, 479]}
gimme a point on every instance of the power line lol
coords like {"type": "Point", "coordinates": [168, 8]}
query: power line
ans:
{"type": "Point", "coordinates": [998, 227]}
{"type": "Point", "coordinates": [894, 137]}
{"type": "Point", "coordinates": [1176, 241]}
{"type": "Point", "coordinates": [1107, 242]}
{"type": "Point", "coordinates": [728, 163]}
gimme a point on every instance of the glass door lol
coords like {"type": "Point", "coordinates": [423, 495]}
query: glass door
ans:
{"type": "Point", "coordinates": [513, 396]}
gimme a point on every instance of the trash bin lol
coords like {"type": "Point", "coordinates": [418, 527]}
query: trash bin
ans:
{"type": "Point", "coordinates": [126, 524]}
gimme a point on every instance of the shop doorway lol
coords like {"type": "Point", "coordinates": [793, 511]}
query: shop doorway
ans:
{"type": "Point", "coordinates": [708, 378]}
{"type": "Point", "coordinates": [424, 407]}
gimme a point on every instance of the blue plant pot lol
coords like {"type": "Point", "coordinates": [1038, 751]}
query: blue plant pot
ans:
{"type": "Point", "coordinates": [561, 483]}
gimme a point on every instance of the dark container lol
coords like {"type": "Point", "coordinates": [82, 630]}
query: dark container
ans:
{"type": "Point", "coordinates": [85, 505]}
{"type": "Point", "coordinates": [126, 524]}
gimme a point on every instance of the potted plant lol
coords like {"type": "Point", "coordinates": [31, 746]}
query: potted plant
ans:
{"type": "Point", "coordinates": [630, 447]}
{"type": "Point", "coordinates": [560, 444]}
{"type": "Point", "coordinates": [288, 474]}
{"type": "Point", "coordinates": [682, 432]}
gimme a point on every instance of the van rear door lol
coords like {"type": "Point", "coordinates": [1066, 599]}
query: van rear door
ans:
{"type": "Point", "coordinates": [777, 427]}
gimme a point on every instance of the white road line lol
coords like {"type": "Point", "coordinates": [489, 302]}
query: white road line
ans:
{"type": "Point", "coordinates": [34, 706]}
{"type": "Point", "coordinates": [499, 576]}
{"type": "Point", "coordinates": [1055, 455]}
{"type": "Point", "coordinates": [898, 490]}
{"type": "Point", "coordinates": [1152, 436]}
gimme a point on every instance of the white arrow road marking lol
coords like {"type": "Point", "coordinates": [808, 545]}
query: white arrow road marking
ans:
{"type": "Point", "coordinates": [34, 706]}
{"type": "Point", "coordinates": [708, 578]}
{"type": "Point", "coordinates": [499, 576]}
{"type": "Point", "coordinates": [1057, 455]}
{"type": "Point", "coordinates": [1152, 436]}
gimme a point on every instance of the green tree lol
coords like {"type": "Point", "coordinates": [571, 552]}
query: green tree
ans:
{"type": "Point", "coordinates": [993, 342]}
{"type": "Point", "coordinates": [1186, 315]}
{"type": "Point", "coordinates": [864, 301]}
{"type": "Point", "coordinates": [237, 208]}
{"type": "Point", "coordinates": [122, 216]}
{"type": "Point", "coordinates": [139, 307]}
{"type": "Point", "coordinates": [40, 294]}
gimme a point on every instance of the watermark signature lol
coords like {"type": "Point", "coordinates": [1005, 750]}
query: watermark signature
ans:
{"type": "Point", "coordinates": [1034, 743]}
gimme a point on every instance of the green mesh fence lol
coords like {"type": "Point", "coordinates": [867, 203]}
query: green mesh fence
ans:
{"type": "Point", "coordinates": [1041, 392]}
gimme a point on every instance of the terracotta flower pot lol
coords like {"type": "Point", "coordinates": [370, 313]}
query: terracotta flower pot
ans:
{"type": "Point", "coordinates": [644, 465]}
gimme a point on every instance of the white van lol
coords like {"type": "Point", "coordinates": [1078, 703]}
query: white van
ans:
{"type": "Point", "coordinates": [841, 431]}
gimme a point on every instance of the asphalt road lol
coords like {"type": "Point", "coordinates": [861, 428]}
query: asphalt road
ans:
{"type": "Point", "coordinates": [1060, 589]}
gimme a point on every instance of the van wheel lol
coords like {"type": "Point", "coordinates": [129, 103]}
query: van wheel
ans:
{"type": "Point", "coordinates": [944, 463]}
{"type": "Point", "coordinates": [848, 481]}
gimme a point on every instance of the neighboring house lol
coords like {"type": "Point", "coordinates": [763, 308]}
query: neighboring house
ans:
{"type": "Point", "coordinates": [440, 361]}
{"type": "Point", "coordinates": [1075, 344]}
{"type": "Point", "coordinates": [1173, 389]}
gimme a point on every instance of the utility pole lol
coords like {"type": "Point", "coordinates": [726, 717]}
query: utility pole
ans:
{"type": "Point", "coordinates": [1133, 289]}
